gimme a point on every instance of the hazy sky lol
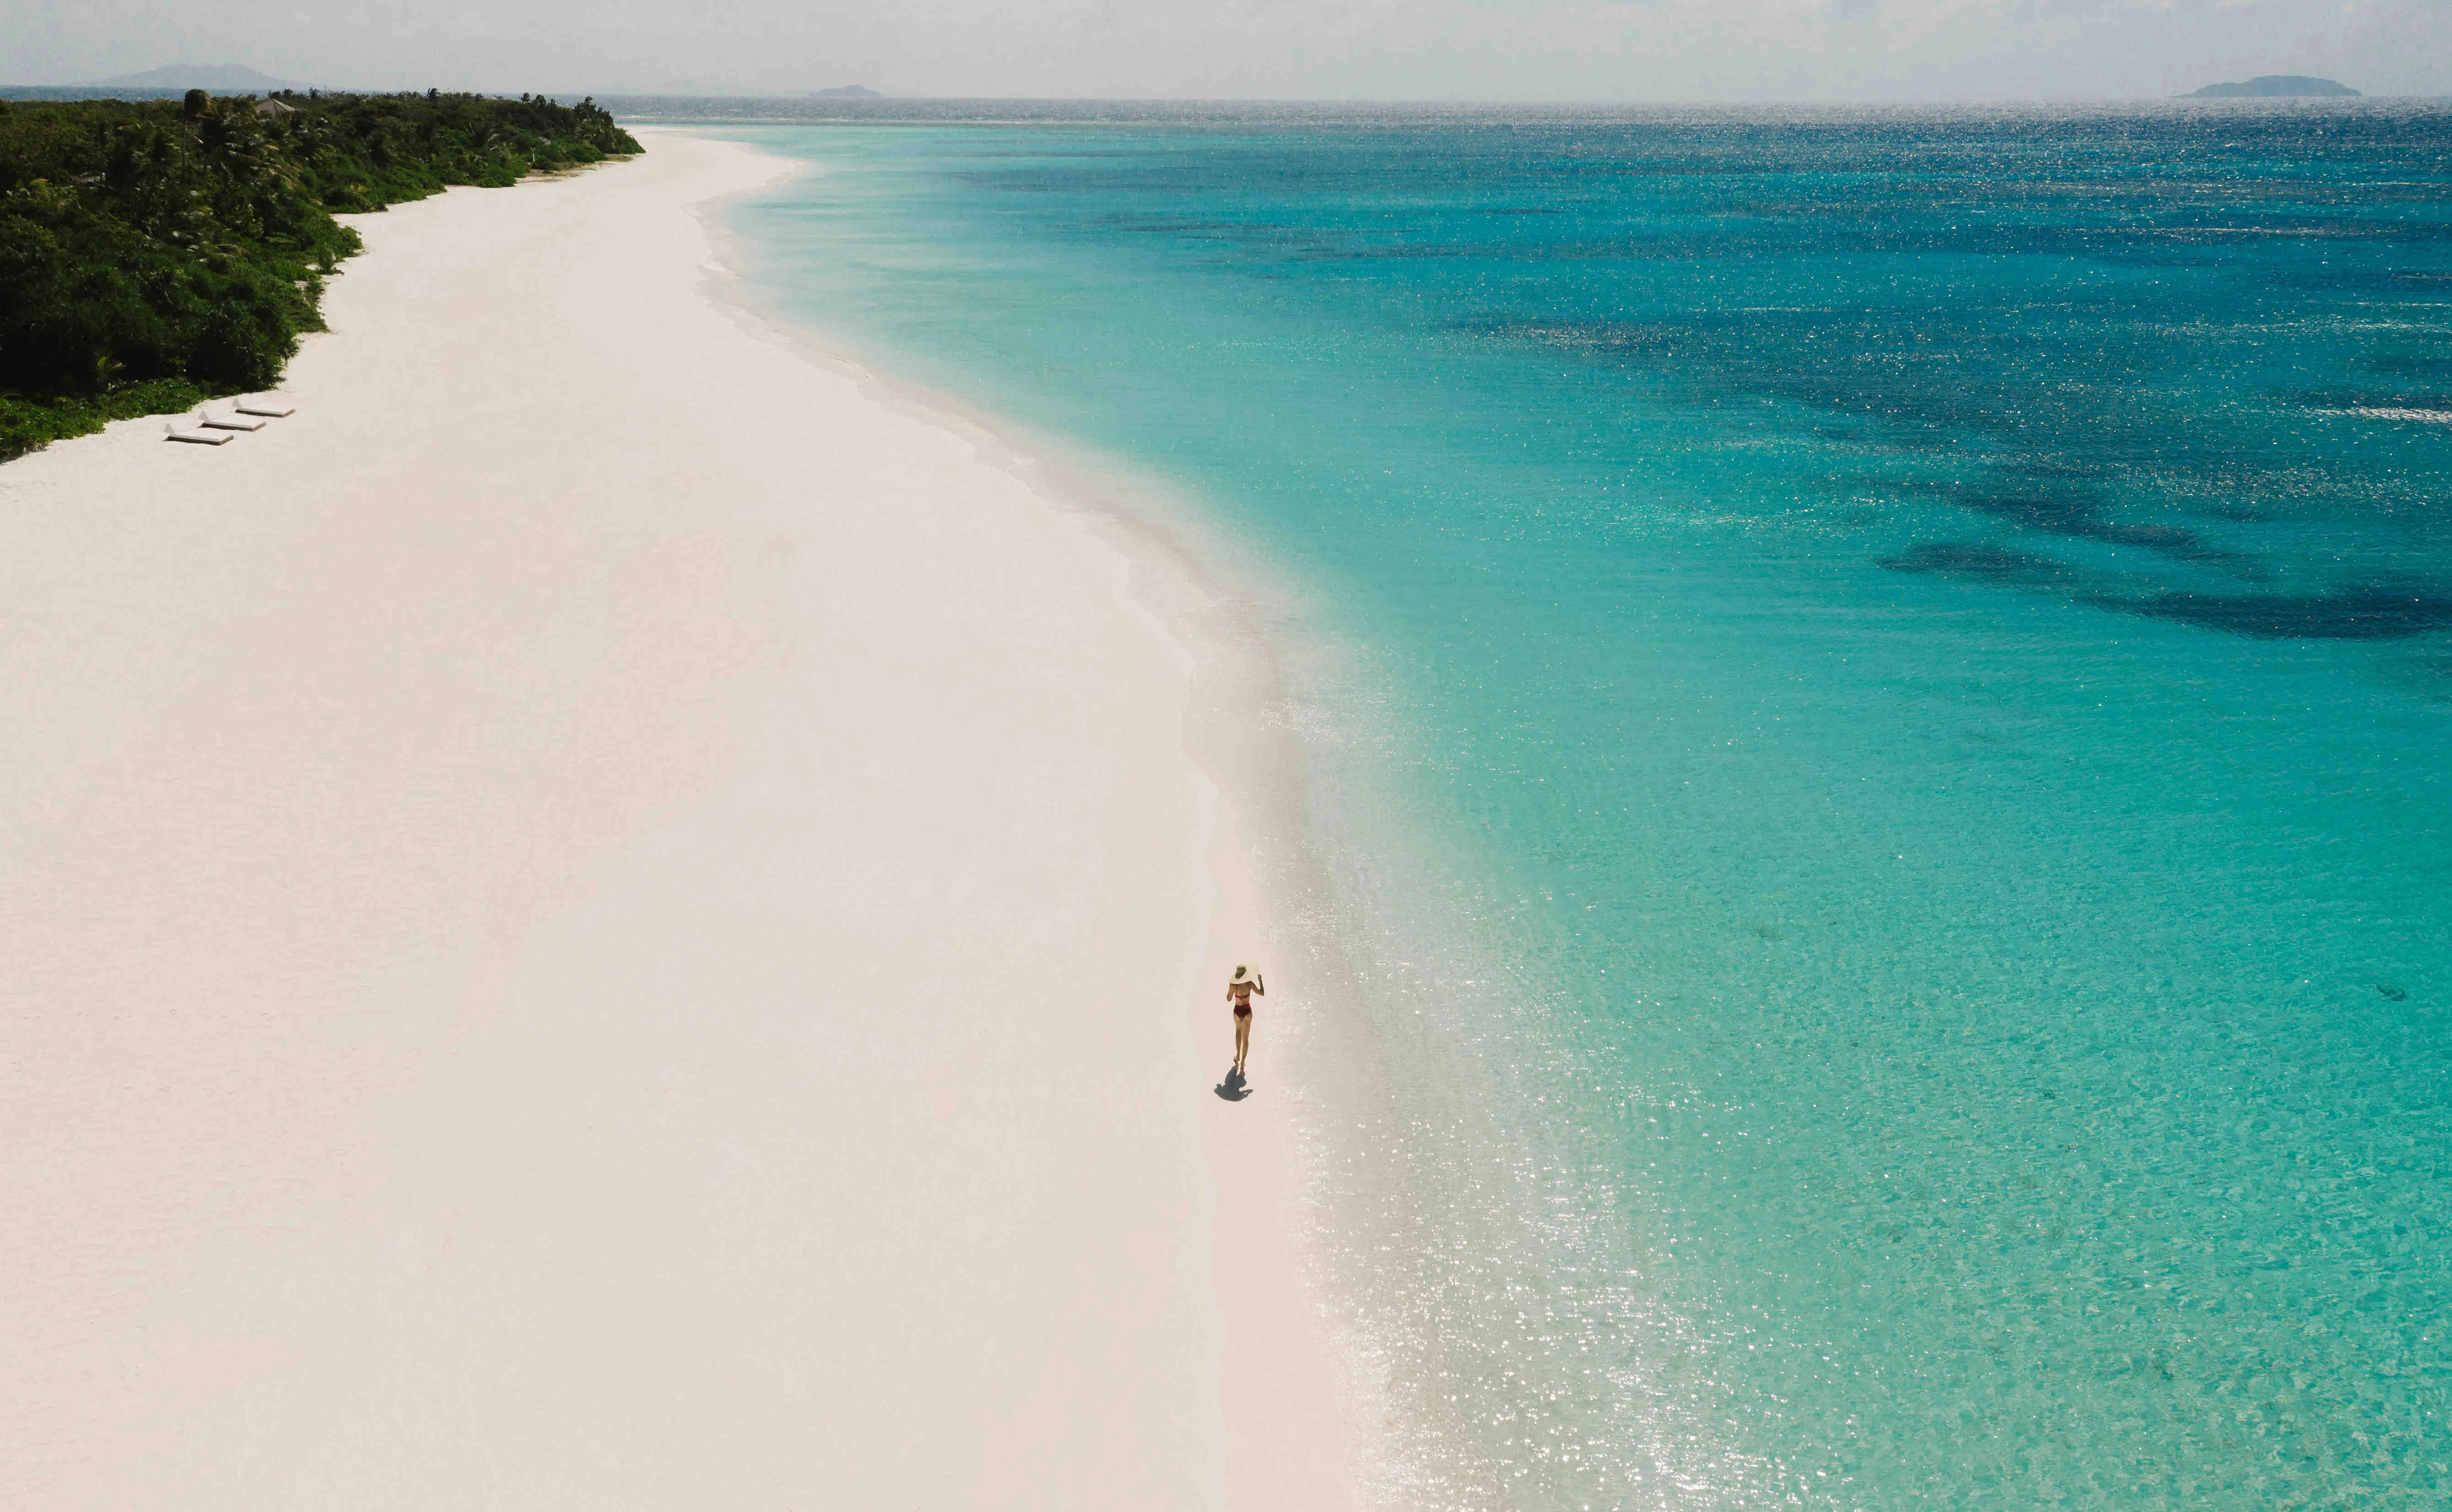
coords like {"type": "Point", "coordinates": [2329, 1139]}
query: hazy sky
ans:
{"type": "Point", "coordinates": [1587, 49]}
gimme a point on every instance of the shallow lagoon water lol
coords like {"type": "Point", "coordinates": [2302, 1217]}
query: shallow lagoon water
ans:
{"type": "Point", "coordinates": [1879, 690]}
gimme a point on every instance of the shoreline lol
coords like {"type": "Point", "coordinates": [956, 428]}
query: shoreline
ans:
{"type": "Point", "coordinates": [1366, 1169]}
{"type": "Point", "coordinates": [417, 1017]}
{"type": "Point", "coordinates": [1285, 1385]}
{"type": "Point", "coordinates": [1390, 1186]}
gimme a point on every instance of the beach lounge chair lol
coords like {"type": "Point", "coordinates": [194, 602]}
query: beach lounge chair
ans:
{"type": "Point", "coordinates": [185, 428]}
{"type": "Point", "coordinates": [230, 420]}
{"type": "Point", "coordinates": [277, 406]}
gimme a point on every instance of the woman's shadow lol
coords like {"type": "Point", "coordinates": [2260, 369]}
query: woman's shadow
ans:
{"type": "Point", "coordinates": [1233, 1089]}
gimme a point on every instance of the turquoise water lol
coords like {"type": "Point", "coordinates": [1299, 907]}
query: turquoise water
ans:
{"type": "Point", "coordinates": [1880, 693]}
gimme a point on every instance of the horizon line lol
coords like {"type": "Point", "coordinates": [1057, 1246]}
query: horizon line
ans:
{"type": "Point", "coordinates": [881, 97]}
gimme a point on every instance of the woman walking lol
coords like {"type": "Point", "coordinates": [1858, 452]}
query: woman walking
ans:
{"type": "Point", "coordinates": [1239, 989]}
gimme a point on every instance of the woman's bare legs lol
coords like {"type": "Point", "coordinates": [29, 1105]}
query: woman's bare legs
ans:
{"type": "Point", "coordinates": [1242, 1040]}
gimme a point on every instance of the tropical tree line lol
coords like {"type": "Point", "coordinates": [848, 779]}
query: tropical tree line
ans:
{"type": "Point", "coordinates": [155, 253]}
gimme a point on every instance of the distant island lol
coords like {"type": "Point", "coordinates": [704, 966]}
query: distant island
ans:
{"type": "Point", "coordinates": [178, 78]}
{"type": "Point", "coordinates": [846, 91]}
{"type": "Point", "coordinates": [168, 83]}
{"type": "Point", "coordinates": [2276, 86]}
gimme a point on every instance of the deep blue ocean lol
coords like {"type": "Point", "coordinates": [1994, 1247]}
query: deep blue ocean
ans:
{"type": "Point", "coordinates": [1878, 692]}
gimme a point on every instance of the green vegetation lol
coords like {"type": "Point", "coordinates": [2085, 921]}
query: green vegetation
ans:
{"type": "Point", "coordinates": [155, 253]}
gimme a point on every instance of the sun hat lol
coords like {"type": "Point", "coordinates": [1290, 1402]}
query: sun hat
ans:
{"type": "Point", "coordinates": [1242, 974]}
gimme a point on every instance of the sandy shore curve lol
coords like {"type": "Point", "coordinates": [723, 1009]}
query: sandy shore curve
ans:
{"type": "Point", "coordinates": [599, 919]}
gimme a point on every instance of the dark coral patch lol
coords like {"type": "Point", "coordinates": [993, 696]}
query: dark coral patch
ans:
{"type": "Point", "coordinates": [2374, 611]}
{"type": "Point", "coordinates": [2361, 613]}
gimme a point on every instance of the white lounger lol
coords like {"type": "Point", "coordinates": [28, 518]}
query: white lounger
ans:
{"type": "Point", "coordinates": [278, 406]}
{"type": "Point", "coordinates": [185, 428]}
{"type": "Point", "coordinates": [230, 420]}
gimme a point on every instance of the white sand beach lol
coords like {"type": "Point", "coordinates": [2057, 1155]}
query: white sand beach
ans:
{"type": "Point", "coordinates": [602, 919]}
